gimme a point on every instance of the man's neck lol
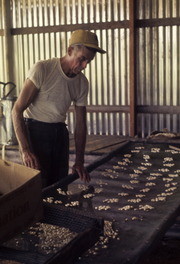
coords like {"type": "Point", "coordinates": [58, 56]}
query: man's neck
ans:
{"type": "Point", "coordinates": [65, 68]}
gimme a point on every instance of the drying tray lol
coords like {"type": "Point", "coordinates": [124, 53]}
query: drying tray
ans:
{"type": "Point", "coordinates": [32, 247]}
{"type": "Point", "coordinates": [143, 178]}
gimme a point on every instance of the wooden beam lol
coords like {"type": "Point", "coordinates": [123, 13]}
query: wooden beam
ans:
{"type": "Point", "coordinates": [158, 109]}
{"type": "Point", "coordinates": [95, 26]}
{"type": "Point", "coordinates": [105, 109]}
{"type": "Point", "coordinates": [144, 109]}
{"type": "Point", "coordinates": [8, 43]}
{"type": "Point", "coordinates": [65, 28]}
{"type": "Point", "coordinates": [1, 32]}
{"type": "Point", "coordinates": [132, 80]}
{"type": "Point", "coordinates": [157, 22]}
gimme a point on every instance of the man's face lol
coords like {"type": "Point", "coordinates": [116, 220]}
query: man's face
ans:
{"type": "Point", "coordinates": [79, 59]}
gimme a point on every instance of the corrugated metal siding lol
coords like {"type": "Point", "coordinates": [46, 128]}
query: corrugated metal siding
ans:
{"type": "Point", "coordinates": [2, 67]}
{"type": "Point", "coordinates": [157, 53]}
{"type": "Point", "coordinates": [158, 65]}
{"type": "Point", "coordinates": [107, 74]}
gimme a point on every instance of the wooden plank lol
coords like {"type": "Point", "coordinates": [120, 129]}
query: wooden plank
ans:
{"type": "Point", "coordinates": [1, 32]}
{"type": "Point", "coordinates": [105, 108]}
{"type": "Point", "coordinates": [132, 80]}
{"type": "Point", "coordinates": [95, 26]}
{"type": "Point", "coordinates": [157, 22]}
{"type": "Point", "coordinates": [8, 43]}
{"type": "Point", "coordinates": [158, 109]}
{"type": "Point", "coordinates": [72, 27]}
{"type": "Point", "coordinates": [98, 144]}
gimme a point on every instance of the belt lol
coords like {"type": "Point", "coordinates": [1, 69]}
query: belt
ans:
{"type": "Point", "coordinates": [30, 120]}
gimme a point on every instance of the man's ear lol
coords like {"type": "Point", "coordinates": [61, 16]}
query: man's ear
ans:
{"type": "Point", "coordinates": [70, 49]}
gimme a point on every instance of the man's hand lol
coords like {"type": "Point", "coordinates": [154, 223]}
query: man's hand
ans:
{"type": "Point", "coordinates": [82, 172]}
{"type": "Point", "coordinates": [30, 160]}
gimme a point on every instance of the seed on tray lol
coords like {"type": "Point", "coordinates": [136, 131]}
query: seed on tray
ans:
{"type": "Point", "coordinates": [134, 200]}
{"type": "Point", "coordinates": [60, 191]}
{"type": "Point", "coordinates": [83, 187]}
{"type": "Point", "coordinates": [137, 218]}
{"type": "Point", "coordinates": [125, 208]}
{"type": "Point", "coordinates": [142, 168]}
{"type": "Point", "coordinates": [150, 184]}
{"type": "Point", "coordinates": [155, 150]}
{"type": "Point", "coordinates": [159, 199]}
{"type": "Point", "coordinates": [145, 190]}
{"type": "Point", "coordinates": [51, 237]}
{"type": "Point", "coordinates": [163, 170]}
{"type": "Point", "coordinates": [173, 175]}
{"type": "Point", "coordinates": [127, 155]}
{"type": "Point", "coordinates": [123, 194]}
{"type": "Point", "coordinates": [140, 195]}
{"type": "Point", "coordinates": [168, 164]}
{"type": "Point", "coordinates": [89, 195]}
{"type": "Point", "coordinates": [48, 200]}
{"type": "Point", "coordinates": [112, 200]}
{"type": "Point", "coordinates": [100, 182]}
{"type": "Point", "coordinates": [148, 164]}
{"type": "Point", "coordinates": [129, 187]}
{"type": "Point", "coordinates": [127, 160]}
{"type": "Point", "coordinates": [98, 190]}
{"type": "Point", "coordinates": [171, 189]}
{"type": "Point", "coordinates": [139, 147]}
{"type": "Point", "coordinates": [58, 202]}
{"type": "Point", "coordinates": [134, 175]}
{"type": "Point", "coordinates": [122, 163]}
{"type": "Point", "coordinates": [155, 174]}
{"type": "Point", "coordinates": [172, 151]}
{"type": "Point", "coordinates": [135, 151]}
{"type": "Point", "coordinates": [137, 171]}
{"type": "Point", "coordinates": [165, 194]}
{"type": "Point", "coordinates": [174, 183]}
{"type": "Point", "coordinates": [151, 178]}
{"type": "Point", "coordinates": [102, 207]}
{"type": "Point", "coordinates": [167, 159]}
{"type": "Point", "coordinates": [146, 207]}
{"type": "Point", "coordinates": [134, 182]}
{"type": "Point", "coordinates": [168, 179]}
{"type": "Point", "coordinates": [116, 167]}
{"type": "Point", "coordinates": [73, 203]}
{"type": "Point", "coordinates": [177, 171]}
{"type": "Point", "coordinates": [146, 157]}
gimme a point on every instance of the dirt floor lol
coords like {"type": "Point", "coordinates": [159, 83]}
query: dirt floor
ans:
{"type": "Point", "coordinates": [167, 252]}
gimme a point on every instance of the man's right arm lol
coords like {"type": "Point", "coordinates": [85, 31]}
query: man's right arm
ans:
{"type": "Point", "coordinates": [28, 93]}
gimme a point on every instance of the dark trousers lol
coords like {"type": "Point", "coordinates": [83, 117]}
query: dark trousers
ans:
{"type": "Point", "coordinates": [50, 143]}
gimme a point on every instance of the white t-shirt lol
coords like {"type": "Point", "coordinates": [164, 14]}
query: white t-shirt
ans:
{"type": "Point", "coordinates": [56, 91]}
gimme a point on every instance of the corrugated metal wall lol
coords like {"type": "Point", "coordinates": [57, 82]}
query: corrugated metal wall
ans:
{"type": "Point", "coordinates": [158, 59]}
{"type": "Point", "coordinates": [157, 54]}
{"type": "Point", "coordinates": [2, 73]}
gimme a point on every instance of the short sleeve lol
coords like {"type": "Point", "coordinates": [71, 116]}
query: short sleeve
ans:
{"type": "Point", "coordinates": [82, 98]}
{"type": "Point", "coordinates": [36, 74]}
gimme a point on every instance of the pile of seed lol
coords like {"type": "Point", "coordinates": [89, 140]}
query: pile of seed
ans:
{"type": "Point", "coordinates": [51, 238]}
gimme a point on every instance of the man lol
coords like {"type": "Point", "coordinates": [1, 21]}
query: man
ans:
{"type": "Point", "coordinates": [40, 111]}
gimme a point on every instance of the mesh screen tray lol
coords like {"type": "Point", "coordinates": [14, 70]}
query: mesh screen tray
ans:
{"type": "Point", "coordinates": [61, 237]}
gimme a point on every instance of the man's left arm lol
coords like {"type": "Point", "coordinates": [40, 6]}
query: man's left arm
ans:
{"type": "Point", "coordinates": [80, 142]}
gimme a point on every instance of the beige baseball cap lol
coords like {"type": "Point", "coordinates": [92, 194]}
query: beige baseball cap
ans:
{"type": "Point", "coordinates": [86, 38]}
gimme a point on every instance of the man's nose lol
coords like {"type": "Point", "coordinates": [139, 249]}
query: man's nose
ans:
{"type": "Point", "coordinates": [84, 64]}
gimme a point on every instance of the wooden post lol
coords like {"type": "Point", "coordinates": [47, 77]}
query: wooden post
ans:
{"type": "Point", "coordinates": [132, 75]}
{"type": "Point", "coordinates": [8, 42]}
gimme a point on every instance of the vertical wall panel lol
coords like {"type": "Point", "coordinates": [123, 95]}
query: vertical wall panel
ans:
{"type": "Point", "coordinates": [157, 52]}
{"type": "Point", "coordinates": [158, 65]}
{"type": "Point", "coordinates": [2, 65]}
